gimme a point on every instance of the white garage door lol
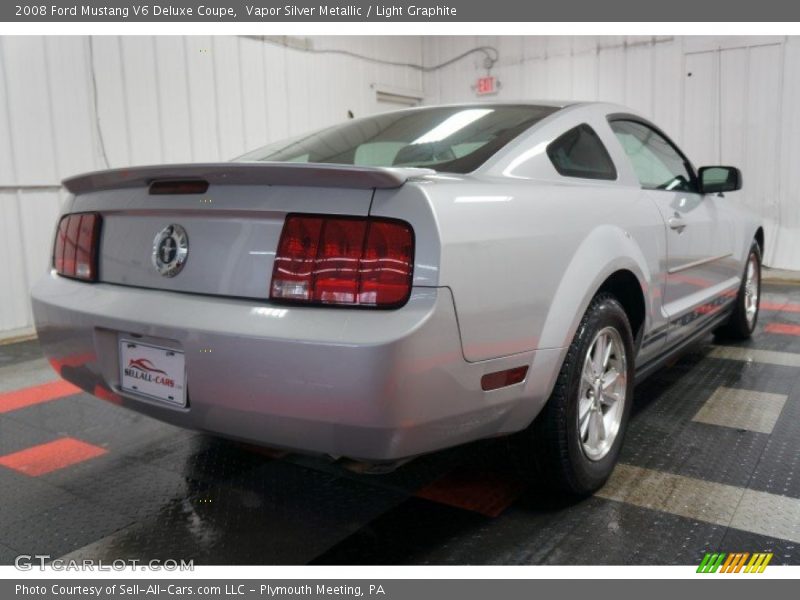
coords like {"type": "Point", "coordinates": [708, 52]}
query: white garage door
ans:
{"type": "Point", "coordinates": [732, 103]}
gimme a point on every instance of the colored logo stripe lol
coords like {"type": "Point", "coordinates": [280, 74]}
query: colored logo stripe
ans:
{"type": "Point", "coordinates": [758, 563]}
{"type": "Point", "coordinates": [35, 395]}
{"type": "Point", "coordinates": [734, 562]}
{"type": "Point", "coordinates": [51, 456]}
{"type": "Point", "coordinates": [711, 562]}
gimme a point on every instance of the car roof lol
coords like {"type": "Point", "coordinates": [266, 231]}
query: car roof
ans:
{"type": "Point", "coordinates": [497, 103]}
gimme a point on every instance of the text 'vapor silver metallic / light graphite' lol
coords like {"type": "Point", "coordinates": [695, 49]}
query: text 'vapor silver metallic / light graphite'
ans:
{"type": "Point", "coordinates": [406, 282]}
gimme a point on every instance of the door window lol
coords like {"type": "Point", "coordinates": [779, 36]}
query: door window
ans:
{"type": "Point", "coordinates": [657, 163]}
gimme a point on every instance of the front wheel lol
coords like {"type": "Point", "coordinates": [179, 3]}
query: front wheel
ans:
{"type": "Point", "coordinates": [743, 319]}
{"type": "Point", "coordinates": [574, 443]}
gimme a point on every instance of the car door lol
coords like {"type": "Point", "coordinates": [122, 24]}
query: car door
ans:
{"type": "Point", "coordinates": [698, 266]}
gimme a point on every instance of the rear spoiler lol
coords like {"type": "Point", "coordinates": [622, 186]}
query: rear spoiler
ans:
{"type": "Point", "coordinates": [247, 173]}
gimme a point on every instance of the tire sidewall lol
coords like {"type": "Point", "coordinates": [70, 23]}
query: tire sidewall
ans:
{"type": "Point", "coordinates": [755, 250]}
{"type": "Point", "coordinates": [590, 474]}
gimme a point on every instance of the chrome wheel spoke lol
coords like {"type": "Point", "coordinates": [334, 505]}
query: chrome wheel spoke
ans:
{"type": "Point", "coordinates": [597, 430]}
{"type": "Point", "coordinates": [588, 373]}
{"type": "Point", "coordinates": [609, 398]}
{"type": "Point", "coordinates": [610, 377]}
{"type": "Point", "coordinates": [599, 354]}
{"type": "Point", "coordinates": [583, 421]}
{"type": "Point", "coordinates": [607, 355]}
{"type": "Point", "coordinates": [602, 389]}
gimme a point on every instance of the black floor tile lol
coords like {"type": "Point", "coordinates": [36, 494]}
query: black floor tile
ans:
{"type": "Point", "coordinates": [534, 531]}
{"type": "Point", "coordinates": [16, 436]}
{"type": "Point", "coordinates": [63, 528]}
{"type": "Point", "coordinates": [661, 434]}
{"type": "Point", "coordinates": [778, 470]}
{"type": "Point", "coordinates": [69, 415]}
{"type": "Point", "coordinates": [122, 485]}
{"type": "Point", "coordinates": [7, 555]}
{"type": "Point", "coordinates": [278, 514]}
{"type": "Point", "coordinates": [404, 535]}
{"type": "Point", "coordinates": [785, 552]}
{"type": "Point", "coordinates": [200, 457]}
{"type": "Point", "coordinates": [22, 496]}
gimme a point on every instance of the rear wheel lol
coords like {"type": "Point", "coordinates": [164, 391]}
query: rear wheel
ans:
{"type": "Point", "coordinates": [574, 443]}
{"type": "Point", "coordinates": [743, 320]}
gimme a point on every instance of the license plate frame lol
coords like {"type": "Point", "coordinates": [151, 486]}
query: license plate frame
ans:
{"type": "Point", "coordinates": [156, 372]}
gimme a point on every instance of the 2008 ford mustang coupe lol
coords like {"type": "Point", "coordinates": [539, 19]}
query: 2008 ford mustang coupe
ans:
{"type": "Point", "coordinates": [406, 282]}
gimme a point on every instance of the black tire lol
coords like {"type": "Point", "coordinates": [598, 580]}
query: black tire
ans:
{"type": "Point", "coordinates": [550, 452]}
{"type": "Point", "coordinates": [738, 326]}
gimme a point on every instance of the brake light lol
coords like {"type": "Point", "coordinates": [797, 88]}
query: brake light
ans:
{"type": "Point", "coordinates": [75, 252]}
{"type": "Point", "coordinates": [350, 261]}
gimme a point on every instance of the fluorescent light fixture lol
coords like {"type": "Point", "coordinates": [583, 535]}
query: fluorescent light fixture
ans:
{"type": "Point", "coordinates": [452, 124]}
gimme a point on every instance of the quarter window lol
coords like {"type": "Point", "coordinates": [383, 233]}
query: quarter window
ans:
{"type": "Point", "coordinates": [580, 153]}
{"type": "Point", "coordinates": [657, 163]}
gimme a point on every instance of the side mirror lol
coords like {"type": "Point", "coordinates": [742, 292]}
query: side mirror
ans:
{"type": "Point", "coordinates": [715, 180]}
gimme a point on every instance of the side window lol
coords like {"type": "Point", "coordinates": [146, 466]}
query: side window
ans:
{"type": "Point", "coordinates": [658, 165]}
{"type": "Point", "coordinates": [580, 153]}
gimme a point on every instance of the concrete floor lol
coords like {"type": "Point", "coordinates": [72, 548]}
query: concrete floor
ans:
{"type": "Point", "coordinates": [711, 463]}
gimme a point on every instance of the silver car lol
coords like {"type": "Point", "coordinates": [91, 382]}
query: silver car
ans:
{"type": "Point", "coordinates": [406, 282]}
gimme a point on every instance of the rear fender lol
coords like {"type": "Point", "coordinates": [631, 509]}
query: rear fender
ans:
{"type": "Point", "coordinates": [606, 250]}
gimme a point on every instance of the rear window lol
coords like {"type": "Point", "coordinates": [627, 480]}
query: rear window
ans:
{"type": "Point", "coordinates": [580, 153]}
{"type": "Point", "coordinates": [455, 139]}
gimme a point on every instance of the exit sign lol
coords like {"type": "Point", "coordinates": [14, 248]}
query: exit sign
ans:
{"type": "Point", "coordinates": [486, 85]}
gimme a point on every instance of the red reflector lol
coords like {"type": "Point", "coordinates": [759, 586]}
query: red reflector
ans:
{"type": "Point", "coordinates": [76, 246]}
{"type": "Point", "coordinates": [344, 260]}
{"type": "Point", "coordinates": [498, 379]}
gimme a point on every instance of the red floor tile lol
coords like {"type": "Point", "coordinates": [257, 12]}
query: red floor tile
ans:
{"type": "Point", "coordinates": [35, 395]}
{"type": "Point", "coordinates": [784, 328]}
{"type": "Point", "coordinates": [780, 307]}
{"type": "Point", "coordinates": [51, 456]}
{"type": "Point", "coordinates": [487, 493]}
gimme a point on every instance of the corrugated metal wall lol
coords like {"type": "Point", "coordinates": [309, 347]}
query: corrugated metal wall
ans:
{"type": "Point", "coordinates": [72, 104]}
{"type": "Point", "coordinates": [725, 100]}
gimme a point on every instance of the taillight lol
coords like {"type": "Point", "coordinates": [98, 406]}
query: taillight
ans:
{"type": "Point", "coordinates": [350, 261]}
{"type": "Point", "coordinates": [75, 252]}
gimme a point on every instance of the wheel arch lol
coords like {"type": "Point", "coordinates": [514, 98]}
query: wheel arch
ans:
{"type": "Point", "coordinates": [759, 237]}
{"type": "Point", "coordinates": [627, 289]}
{"type": "Point", "coordinates": [620, 268]}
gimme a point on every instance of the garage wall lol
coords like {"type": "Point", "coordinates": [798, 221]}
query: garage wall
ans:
{"type": "Point", "coordinates": [73, 104]}
{"type": "Point", "coordinates": [725, 100]}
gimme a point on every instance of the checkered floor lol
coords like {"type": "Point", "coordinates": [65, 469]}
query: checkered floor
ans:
{"type": "Point", "coordinates": [711, 463]}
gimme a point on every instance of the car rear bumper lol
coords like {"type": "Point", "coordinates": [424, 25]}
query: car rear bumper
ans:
{"type": "Point", "coordinates": [365, 384]}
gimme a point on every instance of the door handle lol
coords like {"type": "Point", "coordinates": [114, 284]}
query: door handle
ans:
{"type": "Point", "coordinates": [677, 223]}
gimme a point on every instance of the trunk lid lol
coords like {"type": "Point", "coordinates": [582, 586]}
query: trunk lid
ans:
{"type": "Point", "coordinates": [233, 227]}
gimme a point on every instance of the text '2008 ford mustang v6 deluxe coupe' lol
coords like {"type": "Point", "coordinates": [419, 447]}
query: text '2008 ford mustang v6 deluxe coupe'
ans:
{"type": "Point", "coordinates": [404, 283]}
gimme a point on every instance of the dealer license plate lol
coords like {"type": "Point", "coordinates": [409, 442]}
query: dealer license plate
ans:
{"type": "Point", "coordinates": [152, 371]}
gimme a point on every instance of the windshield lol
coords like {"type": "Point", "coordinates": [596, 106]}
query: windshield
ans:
{"type": "Point", "coordinates": [454, 139]}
